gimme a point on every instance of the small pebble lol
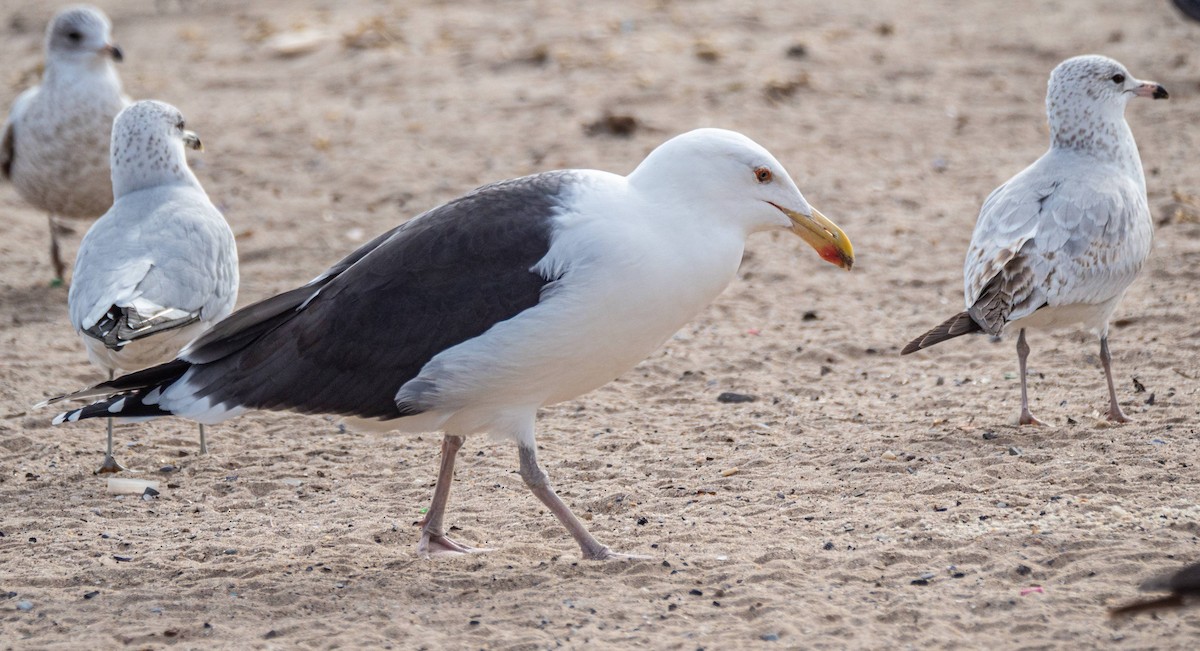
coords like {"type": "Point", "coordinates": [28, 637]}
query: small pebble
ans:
{"type": "Point", "coordinates": [168, 468]}
{"type": "Point", "coordinates": [89, 595]}
{"type": "Point", "coordinates": [729, 397]}
{"type": "Point", "coordinates": [229, 552]}
{"type": "Point", "coordinates": [827, 546]}
{"type": "Point", "coordinates": [769, 637]}
{"type": "Point", "coordinates": [988, 436]}
{"type": "Point", "coordinates": [1014, 451]}
{"type": "Point", "coordinates": [890, 456]}
{"type": "Point", "coordinates": [24, 606]}
{"type": "Point", "coordinates": [729, 472]}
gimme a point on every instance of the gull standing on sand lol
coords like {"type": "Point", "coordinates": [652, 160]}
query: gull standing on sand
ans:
{"type": "Point", "coordinates": [160, 267]}
{"type": "Point", "coordinates": [1059, 243]}
{"type": "Point", "coordinates": [54, 146]}
{"type": "Point", "coordinates": [470, 317]}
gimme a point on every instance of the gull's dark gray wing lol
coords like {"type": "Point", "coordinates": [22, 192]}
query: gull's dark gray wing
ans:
{"type": "Point", "coordinates": [345, 343]}
{"type": "Point", "coordinates": [8, 136]}
{"type": "Point", "coordinates": [7, 151]}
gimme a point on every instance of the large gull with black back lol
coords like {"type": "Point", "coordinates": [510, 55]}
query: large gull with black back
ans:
{"type": "Point", "coordinates": [1059, 243]}
{"type": "Point", "coordinates": [471, 316]}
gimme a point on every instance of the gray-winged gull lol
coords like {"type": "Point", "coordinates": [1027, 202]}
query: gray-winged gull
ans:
{"type": "Point", "coordinates": [471, 316]}
{"type": "Point", "coordinates": [160, 267]}
{"type": "Point", "coordinates": [1059, 243]}
{"type": "Point", "coordinates": [54, 146]}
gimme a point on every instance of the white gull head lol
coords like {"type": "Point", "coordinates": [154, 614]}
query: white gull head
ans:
{"type": "Point", "coordinates": [148, 143]}
{"type": "Point", "coordinates": [723, 175]}
{"type": "Point", "coordinates": [1085, 106]}
{"type": "Point", "coordinates": [80, 36]}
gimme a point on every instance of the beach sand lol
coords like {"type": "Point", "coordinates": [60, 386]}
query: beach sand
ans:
{"type": "Point", "coordinates": [861, 500]}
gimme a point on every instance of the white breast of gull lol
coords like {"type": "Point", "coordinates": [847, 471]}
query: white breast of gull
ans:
{"type": "Point", "coordinates": [468, 318]}
{"type": "Point", "coordinates": [54, 145]}
{"type": "Point", "coordinates": [160, 267]}
{"type": "Point", "coordinates": [1059, 243]}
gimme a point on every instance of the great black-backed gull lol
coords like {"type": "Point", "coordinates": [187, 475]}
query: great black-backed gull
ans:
{"type": "Point", "coordinates": [471, 316]}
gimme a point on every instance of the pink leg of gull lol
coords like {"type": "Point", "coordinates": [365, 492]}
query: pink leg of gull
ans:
{"type": "Point", "coordinates": [1022, 353]}
{"type": "Point", "coordinates": [434, 541]}
{"type": "Point", "coordinates": [1114, 409]}
{"type": "Point", "coordinates": [539, 483]}
{"type": "Point", "coordinates": [110, 464]}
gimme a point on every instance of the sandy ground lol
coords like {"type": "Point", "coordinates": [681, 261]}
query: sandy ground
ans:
{"type": "Point", "coordinates": [863, 500]}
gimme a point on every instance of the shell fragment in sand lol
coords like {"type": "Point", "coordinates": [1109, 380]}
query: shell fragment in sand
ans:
{"type": "Point", "coordinates": [126, 486]}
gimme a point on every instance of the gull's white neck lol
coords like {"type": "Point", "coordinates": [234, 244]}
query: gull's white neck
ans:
{"type": "Point", "coordinates": [1098, 131]}
{"type": "Point", "coordinates": [149, 162]}
{"type": "Point", "coordinates": [82, 74]}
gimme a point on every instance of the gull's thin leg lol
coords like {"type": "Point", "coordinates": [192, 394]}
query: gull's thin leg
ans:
{"type": "Point", "coordinates": [539, 483]}
{"type": "Point", "coordinates": [1022, 353]}
{"type": "Point", "coordinates": [110, 462]}
{"type": "Point", "coordinates": [55, 255]}
{"type": "Point", "coordinates": [203, 442]}
{"type": "Point", "coordinates": [433, 537]}
{"type": "Point", "coordinates": [1114, 409]}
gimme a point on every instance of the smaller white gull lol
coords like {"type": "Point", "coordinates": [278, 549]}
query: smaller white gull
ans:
{"type": "Point", "coordinates": [1058, 244]}
{"type": "Point", "coordinates": [470, 317]}
{"type": "Point", "coordinates": [160, 267]}
{"type": "Point", "coordinates": [54, 145]}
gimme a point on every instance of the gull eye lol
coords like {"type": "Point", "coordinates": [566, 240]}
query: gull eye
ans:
{"type": "Point", "coordinates": [763, 174]}
{"type": "Point", "coordinates": [180, 125]}
{"type": "Point", "coordinates": [75, 36]}
{"type": "Point", "coordinates": [1118, 78]}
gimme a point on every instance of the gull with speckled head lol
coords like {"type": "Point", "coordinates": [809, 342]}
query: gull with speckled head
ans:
{"type": "Point", "coordinates": [1059, 243]}
{"type": "Point", "coordinates": [160, 267]}
{"type": "Point", "coordinates": [54, 145]}
{"type": "Point", "coordinates": [471, 316]}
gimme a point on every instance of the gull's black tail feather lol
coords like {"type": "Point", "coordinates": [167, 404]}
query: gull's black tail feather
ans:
{"type": "Point", "coordinates": [956, 326]}
{"type": "Point", "coordinates": [125, 405]}
{"type": "Point", "coordinates": [130, 396]}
